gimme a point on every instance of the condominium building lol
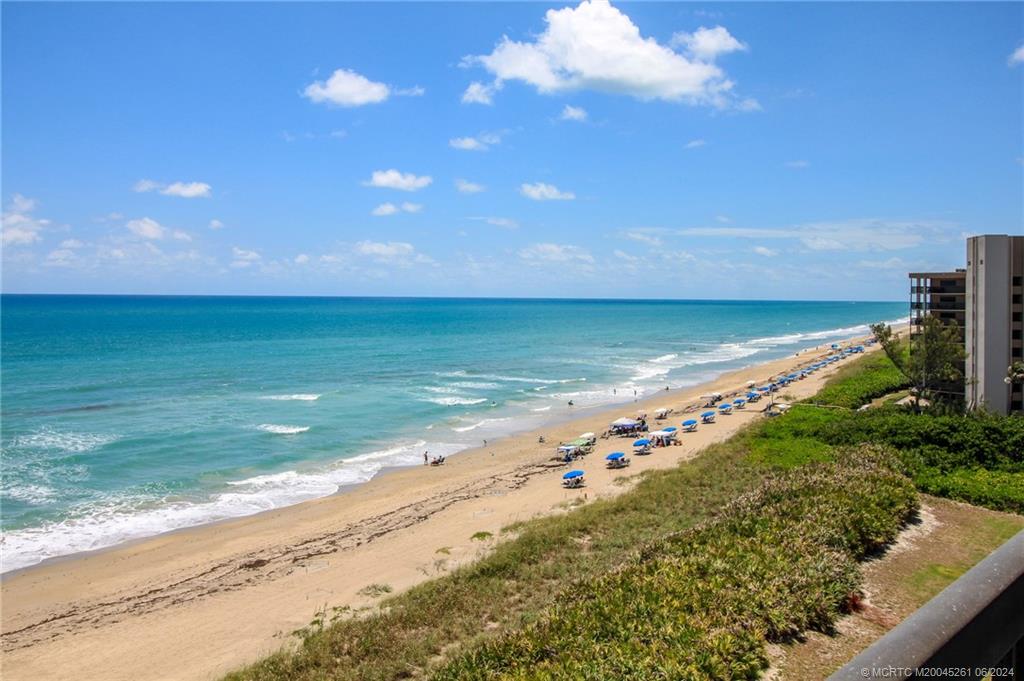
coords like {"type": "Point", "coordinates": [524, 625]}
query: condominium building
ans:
{"type": "Point", "coordinates": [995, 271]}
{"type": "Point", "coordinates": [941, 295]}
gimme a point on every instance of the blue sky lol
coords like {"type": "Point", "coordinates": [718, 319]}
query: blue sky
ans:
{"type": "Point", "coordinates": [755, 150]}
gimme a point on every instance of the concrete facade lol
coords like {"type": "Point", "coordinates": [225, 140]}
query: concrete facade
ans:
{"type": "Point", "coordinates": [995, 267]}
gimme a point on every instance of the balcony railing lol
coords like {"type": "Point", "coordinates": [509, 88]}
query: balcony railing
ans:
{"type": "Point", "coordinates": [973, 629]}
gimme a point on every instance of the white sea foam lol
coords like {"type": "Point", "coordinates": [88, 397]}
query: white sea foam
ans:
{"type": "Point", "coordinates": [547, 408]}
{"type": "Point", "coordinates": [304, 397]}
{"type": "Point", "coordinates": [118, 520]}
{"type": "Point", "coordinates": [474, 385]}
{"type": "Point", "coordinates": [455, 401]}
{"type": "Point", "coordinates": [33, 494]}
{"type": "Point", "coordinates": [282, 430]}
{"type": "Point", "coordinates": [511, 379]}
{"type": "Point", "coordinates": [480, 424]}
{"type": "Point", "coordinates": [63, 441]}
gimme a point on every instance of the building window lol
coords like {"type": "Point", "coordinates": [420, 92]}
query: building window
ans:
{"type": "Point", "coordinates": [1016, 281]}
{"type": "Point", "coordinates": [1016, 352]}
{"type": "Point", "coordinates": [1015, 334]}
{"type": "Point", "coordinates": [1016, 299]}
{"type": "Point", "coordinates": [1016, 316]}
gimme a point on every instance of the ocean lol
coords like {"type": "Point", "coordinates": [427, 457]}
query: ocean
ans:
{"type": "Point", "coordinates": [127, 416]}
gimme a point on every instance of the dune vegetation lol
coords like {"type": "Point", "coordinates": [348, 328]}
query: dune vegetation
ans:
{"type": "Point", "coordinates": [693, 571]}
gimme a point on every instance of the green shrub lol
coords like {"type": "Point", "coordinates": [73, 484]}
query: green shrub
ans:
{"type": "Point", "coordinates": [1001, 490]}
{"type": "Point", "coordinates": [703, 603]}
{"type": "Point", "coordinates": [860, 382]}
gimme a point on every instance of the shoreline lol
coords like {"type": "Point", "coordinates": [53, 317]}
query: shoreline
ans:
{"type": "Point", "coordinates": [188, 592]}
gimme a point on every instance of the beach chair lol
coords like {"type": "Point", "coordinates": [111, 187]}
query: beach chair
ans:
{"type": "Point", "coordinates": [725, 409]}
{"type": "Point", "coordinates": [617, 460]}
{"type": "Point", "coordinates": [708, 417]}
{"type": "Point", "coordinates": [689, 425]}
{"type": "Point", "coordinates": [739, 403]}
{"type": "Point", "coordinates": [642, 446]}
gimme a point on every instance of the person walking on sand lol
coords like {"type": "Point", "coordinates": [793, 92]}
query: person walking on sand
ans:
{"type": "Point", "coordinates": [425, 459]}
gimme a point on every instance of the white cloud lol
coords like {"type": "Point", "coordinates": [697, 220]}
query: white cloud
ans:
{"type": "Point", "coordinates": [391, 209]}
{"type": "Point", "coordinates": [347, 88]}
{"type": "Point", "coordinates": [398, 253]}
{"type": "Point", "coordinates": [185, 190]}
{"type": "Point", "coordinates": [765, 251]}
{"type": "Point", "coordinates": [622, 255]}
{"type": "Point", "coordinates": [644, 238]}
{"type": "Point", "coordinates": [181, 236]}
{"type": "Point", "coordinates": [392, 179]}
{"type": "Point", "coordinates": [893, 263]}
{"type": "Point", "coordinates": [695, 144]}
{"type": "Point", "coordinates": [724, 219]}
{"type": "Point", "coordinates": [20, 227]}
{"type": "Point", "coordinates": [798, 164]}
{"type": "Point", "coordinates": [557, 253]}
{"type": "Point", "coordinates": [573, 113]}
{"type": "Point", "coordinates": [595, 46]}
{"type": "Point", "coordinates": [301, 259]}
{"type": "Point", "coordinates": [384, 209]}
{"type": "Point", "coordinates": [706, 44]}
{"type": "Point", "coordinates": [848, 235]}
{"type": "Point", "coordinates": [71, 243]}
{"type": "Point", "coordinates": [244, 258]}
{"type": "Point", "coordinates": [544, 192]}
{"type": "Point", "coordinates": [414, 91]}
{"type": "Point", "coordinates": [216, 224]}
{"type": "Point", "coordinates": [1017, 57]}
{"type": "Point", "coordinates": [481, 142]}
{"type": "Point", "coordinates": [478, 93]}
{"type": "Point", "coordinates": [506, 223]}
{"type": "Point", "coordinates": [467, 144]}
{"type": "Point", "coordinates": [62, 257]}
{"type": "Point", "coordinates": [147, 228]}
{"type": "Point", "coordinates": [145, 186]}
{"type": "Point", "coordinates": [467, 187]}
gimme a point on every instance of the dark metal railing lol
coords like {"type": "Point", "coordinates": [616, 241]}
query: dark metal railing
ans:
{"type": "Point", "coordinates": [973, 629]}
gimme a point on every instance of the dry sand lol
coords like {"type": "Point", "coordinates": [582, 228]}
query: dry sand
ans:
{"type": "Point", "coordinates": [197, 603]}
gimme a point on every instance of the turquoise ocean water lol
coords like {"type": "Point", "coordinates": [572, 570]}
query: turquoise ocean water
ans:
{"type": "Point", "coordinates": [124, 417]}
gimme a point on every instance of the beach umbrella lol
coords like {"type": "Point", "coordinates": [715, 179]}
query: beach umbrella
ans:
{"type": "Point", "coordinates": [751, 395]}
{"type": "Point", "coordinates": [739, 400]}
{"type": "Point", "coordinates": [708, 413]}
{"type": "Point", "coordinates": [615, 456]}
{"type": "Point", "coordinates": [670, 429]}
{"type": "Point", "coordinates": [572, 474]}
{"type": "Point", "coordinates": [764, 389]}
{"type": "Point", "coordinates": [623, 422]}
{"type": "Point", "coordinates": [643, 442]}
{"type": "Point", "coordinates": [725, 407]}
{"type": "Point", "coordinates": [691, 422]}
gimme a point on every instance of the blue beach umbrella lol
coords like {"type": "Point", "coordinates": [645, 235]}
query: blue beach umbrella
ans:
{"type": "Point", "coordinates": [572, 474]}
{"type": "Point", "coordinates": [670, 429]}
{"type": "Point", "coordinates": [615, 456]}
{"type": "Point", "coordinates": [739, 400]}
{"type": "Point", "coordinates": [692, 422]}
{"type": "Point", "coordinates": [751, 395]}
{"type": "Point", "coordinates": [708, 413]}
{"type": "Point", "coordinates": [642, 442]}
{"type": "Point", "coordinates": [725, 407]}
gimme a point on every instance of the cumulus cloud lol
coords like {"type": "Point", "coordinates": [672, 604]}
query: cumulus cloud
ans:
{"type": "Point", "coordinates": [765, 251]}
{"type": "Point", "coordinates": [398, 253]}
{"type": "Point", "coordinates": [467, 187]}
{"type": "Point", "coordinates": [20, 226]}
{"type": "Point", "coordinates": [573, 113]}
{"type": "Point", "coordinates": [481, 142]}
{"type": "Point", "coordinates": [147, 228]}
{"type": "Point", "coordinates": [479, 93]}
{"type": "Point", "coordinates": [595, 46]}
{"type": "Point", "coordinates": [706, 44]}
{"type": "Point", "coordinates": [391, 209]}
{"type": "Point", "coordinates": [505, 223]}
{"type": "Point", "coordinates": [301, 259]}
{"type": "Point", "coordinates": [242, 258]}
{"type": "Point", "coordinates": [185, 190]}
{"type": "Point", "coordinates": [540, 191]}
{"type": "Point", "coordinates": [393, 179]}
{"type": "Point", "coordinates": [1017, 57]}
{"type": "Point", "coordinates": [216, 224]}
{"type": "Point", "coordinates": [555, 253]}
{"type": "Point", "coordinates": [346, 88]}
{"type": "Point", "coordinates": [695, 144]}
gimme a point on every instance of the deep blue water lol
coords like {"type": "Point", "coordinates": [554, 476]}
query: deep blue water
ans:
{"type": "Point", "coordinates": [128, 416]}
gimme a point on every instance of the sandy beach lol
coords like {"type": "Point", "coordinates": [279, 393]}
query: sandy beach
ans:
{"type": "Point", "coordinates": [197, 603]}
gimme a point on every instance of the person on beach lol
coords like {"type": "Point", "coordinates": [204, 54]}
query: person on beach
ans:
{"type": "Point", "coordinates": [425, 459]}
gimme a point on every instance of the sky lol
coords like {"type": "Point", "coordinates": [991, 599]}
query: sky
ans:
{"type": "Point", "coordinates": [633, 150]}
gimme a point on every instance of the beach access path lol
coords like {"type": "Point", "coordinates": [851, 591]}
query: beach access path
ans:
{"type": "Point", "coordinates": [197, 603]}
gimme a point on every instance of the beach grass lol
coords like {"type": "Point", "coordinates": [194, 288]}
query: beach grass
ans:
{"type": "Point", "coordinates": [690, 572]}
